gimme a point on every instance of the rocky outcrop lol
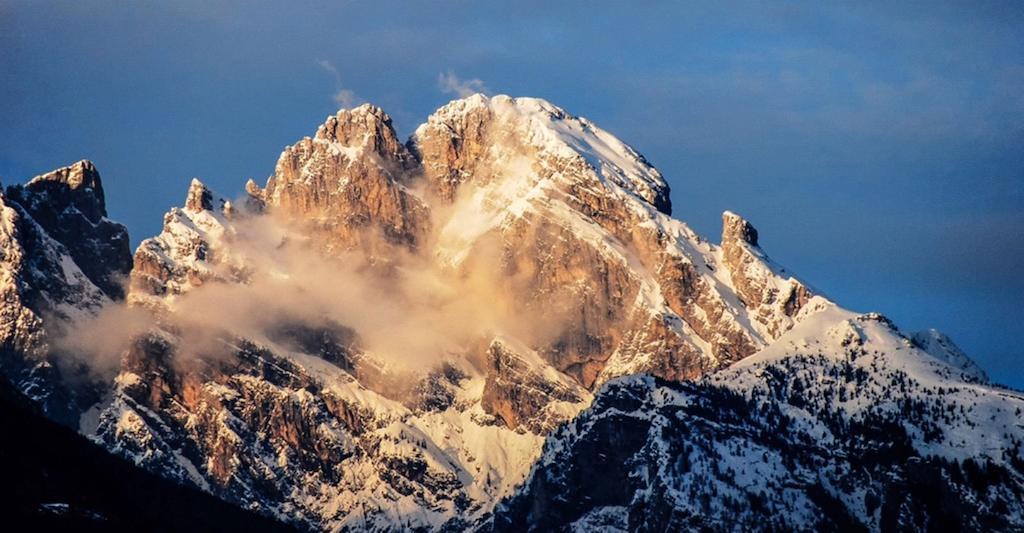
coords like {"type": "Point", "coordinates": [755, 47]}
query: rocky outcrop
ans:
{"type": "Point", "coordinates": [766, 290]}
{"type": "Point", "coordinates": [251, 428]}
{"type": "Point", "coordinates": [188, 252]}
{"type": "Point", "coordinates": [455, 142]}
{"type": "Point", "coordinates": [528, 394]}
{"type": "Point", "coordinates": [583, 222]}
{"type": "Point", "coordinates": [200, 198]}
{"type": "Point", "coordinates": [296, 436]}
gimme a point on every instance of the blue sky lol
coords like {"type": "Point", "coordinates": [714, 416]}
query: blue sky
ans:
{"type": "Point", "coordinates": [879, 149]}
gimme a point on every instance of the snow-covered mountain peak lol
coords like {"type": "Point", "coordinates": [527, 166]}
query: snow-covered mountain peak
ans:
{"type": "Point", "coordinates": [79, 174]}
{"type": "Point", "coordinates": [61, 259]}
{"type": "Point", "coordinates": [347, 183]}
{"type": "Point", "coordinates": [871, 340]}
{"type": "Point", "coordinates": [359, 127]}
{"type": "Point", "coordinates": [68, 206]}
{"type": "Point", "coordinates": [557, 231]}
{"type": "Point", "coordinates": [180, 257]}
{"type": "Point", "coordinates": [940, 346]}
{"type": "Point", "coordinates": [385, 333]}
{"type": "Point", "coordinates": [544, 131]}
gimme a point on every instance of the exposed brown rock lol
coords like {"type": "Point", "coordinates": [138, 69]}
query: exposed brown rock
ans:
{"type": "Point", "coordinates": [348, 184]}
{"type": "Point", "coordinates": [521, 394]}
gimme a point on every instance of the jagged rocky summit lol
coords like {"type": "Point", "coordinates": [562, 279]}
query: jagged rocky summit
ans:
{"type": "Point", "coordinates": [60, 257]}
{"type": "Point", "coordinates": [550, 244]}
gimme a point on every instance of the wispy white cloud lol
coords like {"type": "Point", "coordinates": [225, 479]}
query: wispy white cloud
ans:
{"type": "Point", "coordinates": [346, 98]}
{"type": "Point", "coordinates": [449, 83]}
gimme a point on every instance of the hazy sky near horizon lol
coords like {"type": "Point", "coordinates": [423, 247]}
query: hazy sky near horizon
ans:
{"type": "Point", "coordinates": [879, 149]}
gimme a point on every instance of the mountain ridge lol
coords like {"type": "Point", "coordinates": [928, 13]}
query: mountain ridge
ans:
{"type": "Point", "coordinates": [849, 426]}
{"type": "Point", "coordinates": [385, 334]}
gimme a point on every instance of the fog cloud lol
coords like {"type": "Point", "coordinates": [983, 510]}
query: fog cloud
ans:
{"type": "Point", "coordinates": [346, 98]}
{"type": "Point", "coordinates": [409, 310]}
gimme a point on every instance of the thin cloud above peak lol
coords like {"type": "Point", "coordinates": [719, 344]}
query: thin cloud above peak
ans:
{"type": "Point", "coordinates": [449, 83]}
{"type": "Point", "coordinates": [346, 98]}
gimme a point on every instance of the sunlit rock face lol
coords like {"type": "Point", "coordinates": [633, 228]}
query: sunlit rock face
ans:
{"type": "Point", "coordinates": [348, 180]}
{"type": "Point", "coordinates": [383, 335]}
{"type": "Point", "coordinates": [581, 223]}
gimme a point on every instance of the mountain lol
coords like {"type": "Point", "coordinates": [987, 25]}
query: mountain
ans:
{"type": "Point", "coordinates": [391, 335]}
{"type": "Point", "coordinates": [515, 209]}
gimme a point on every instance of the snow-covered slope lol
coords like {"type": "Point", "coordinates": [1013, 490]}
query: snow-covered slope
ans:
{"type": "Point", "coordinates": [842, 423]}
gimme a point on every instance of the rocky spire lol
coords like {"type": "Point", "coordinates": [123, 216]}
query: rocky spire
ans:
{"type": "Point", "coordinates": [736, 229]}
{"type": "Point", "coordinates": [366, 127]}
{"type": "Point", "coordinates": [253, 189]}
{"type": "Point", "coordinates": [765, 288]}
{"type": "Point", "coordinates": [199, 197]}
{"type": "Point", "coordinates": [254, 197]}
{"type": "Point", "coordinates": [348, 180]}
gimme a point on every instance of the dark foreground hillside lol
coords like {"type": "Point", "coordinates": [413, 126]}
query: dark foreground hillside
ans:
{"type": "Point", "coordinates": [56, 480]}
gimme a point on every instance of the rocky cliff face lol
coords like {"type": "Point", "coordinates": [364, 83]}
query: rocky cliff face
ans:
{"type": "Point", "coordinates": [384, 335]}
{"type": "Point", "coordinates": [184, 254]}
{"type": "Point", "coordinates": [69, 205]}
{"type": "Point", "coordinates": [56, 480]}
{"type": "Point", "coordinates": [772, 298]}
